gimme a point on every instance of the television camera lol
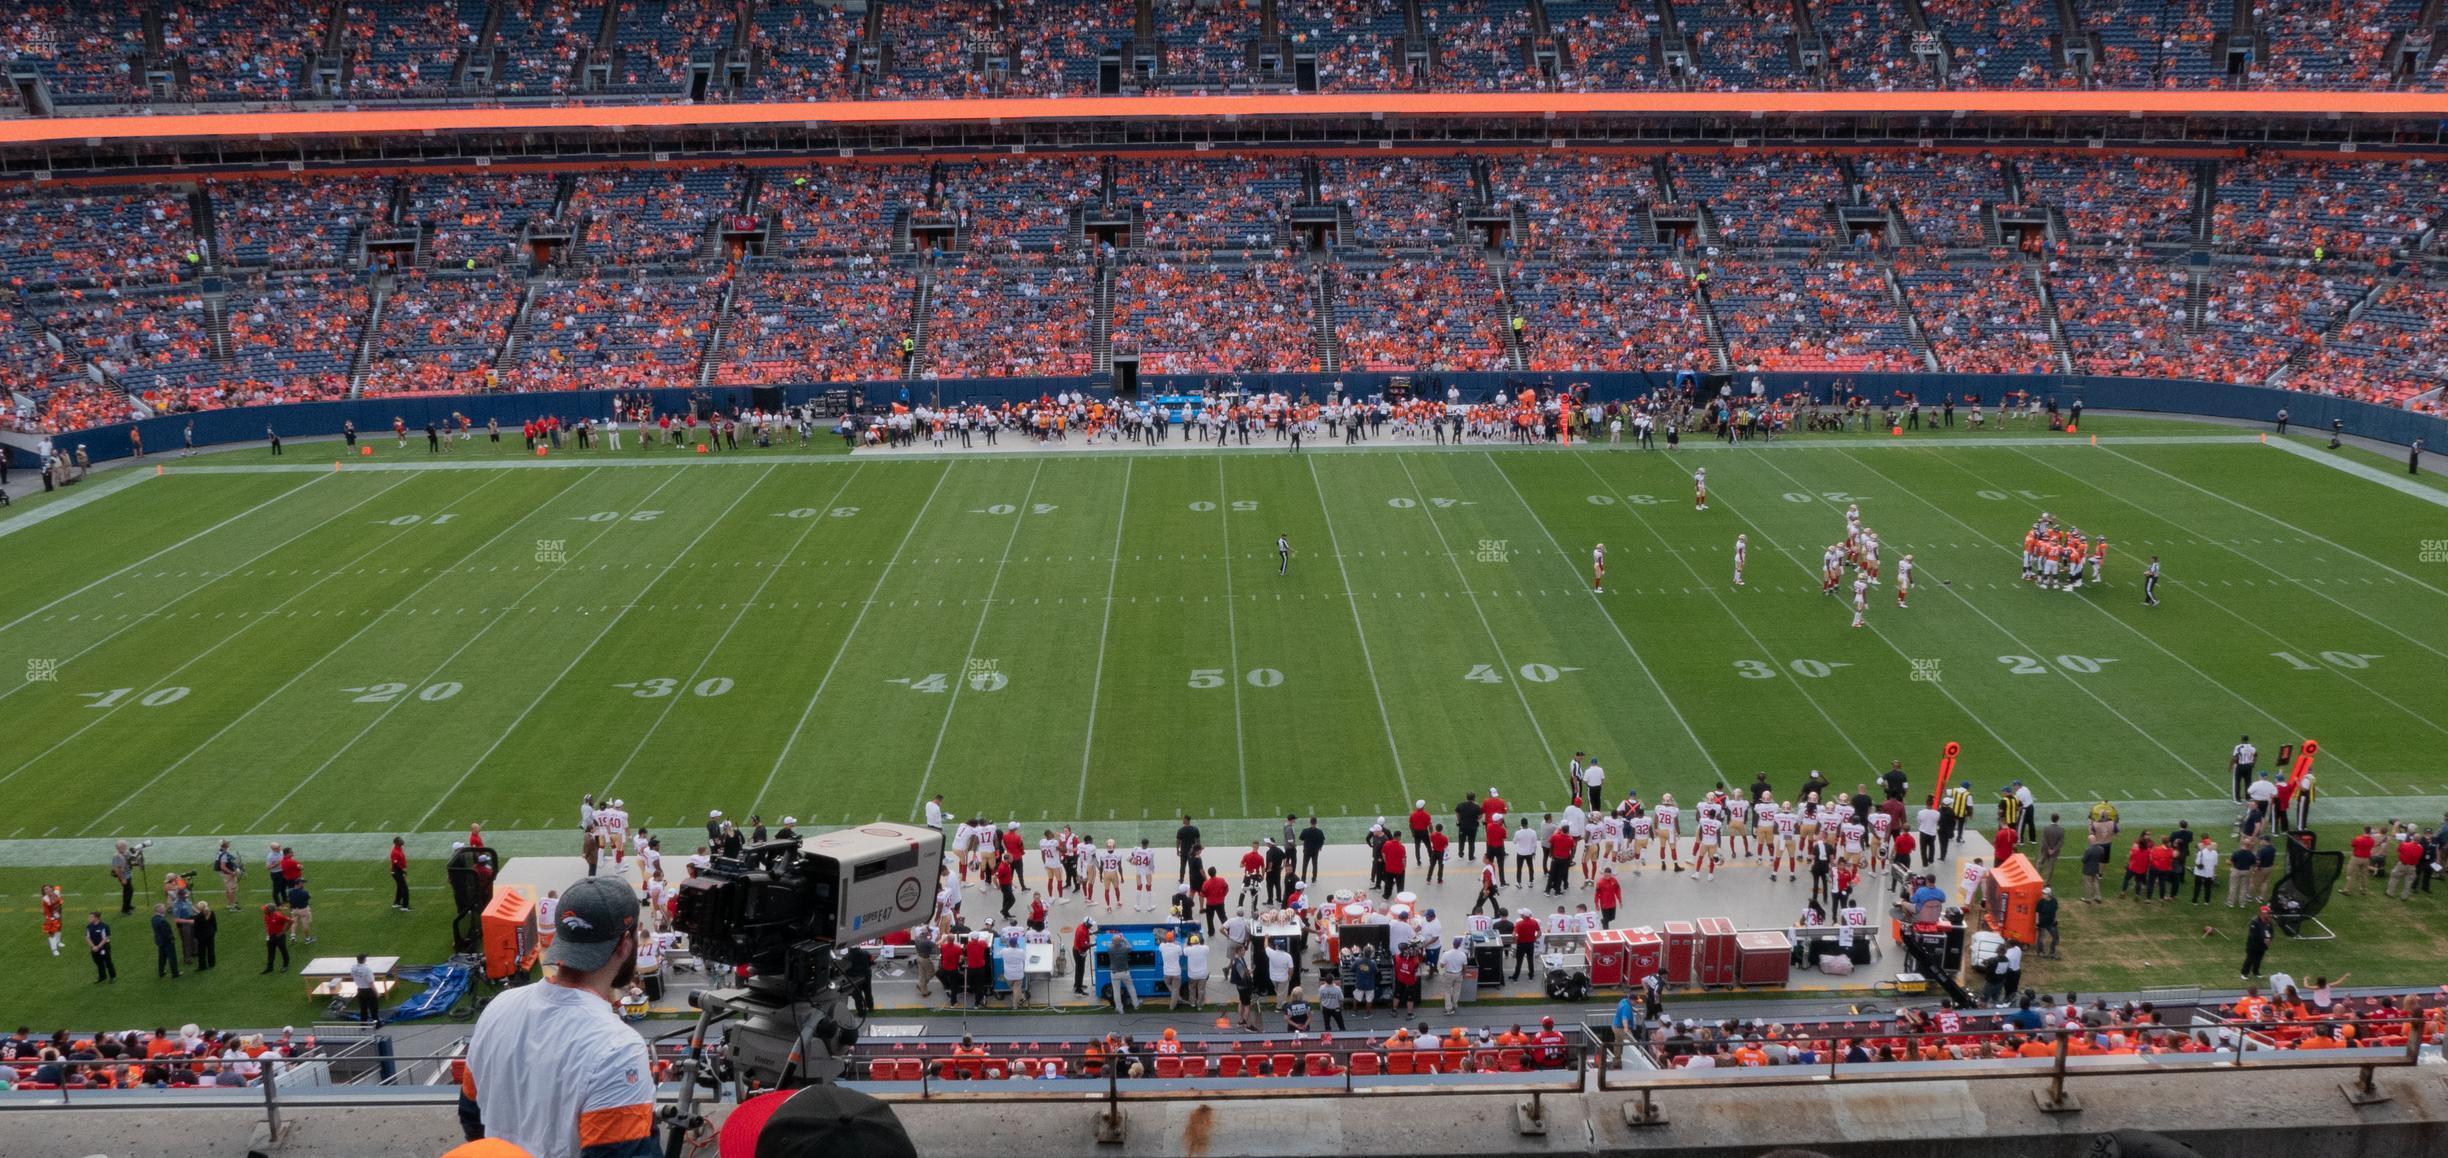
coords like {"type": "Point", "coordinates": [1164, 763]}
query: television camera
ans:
{"type": "Point", "coordinates": [785, 910]}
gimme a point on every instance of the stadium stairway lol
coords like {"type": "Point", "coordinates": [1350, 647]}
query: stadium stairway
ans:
{"type": "Point", "coordinates": [1912, 323]}
{"type": "Point", "coordinates": [2060, 347]}
{"type": "Point", "coordinates": [366, 334]}
{"type": "Point", "coordinates": [1321, 318]}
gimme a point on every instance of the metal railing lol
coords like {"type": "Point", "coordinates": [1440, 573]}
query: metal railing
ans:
{"type": "Point", "coordinates": [1593, 1060]}
{"type": "Point", "coordinates": [2234, 1046]}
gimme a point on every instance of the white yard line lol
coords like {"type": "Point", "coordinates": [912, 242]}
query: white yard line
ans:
{"type": "Point", "coordinates": [756, 806]}
{"type": "Point", "coordinates": [2189, 484]}
{"type": "Point", "coordinates": [2027, 649]}
{"type": "Point", "coordinates": [2256, 625]}
{"type": "Point", "coordinates": [2362, 470]}
{"type": "Point", "coordinates": [339, 649]}
{"type": "Point", "coordinates": [1528, 712]}
{"type": "Point", "coordinates": [601, 531]}
{"type": "Point", "coordinates": [1976, 717]}
{"type": "Point", "coordinates": [960, 676]}
{"type": "Point", "coordinates": [1334, 544]}
{"type": "Point", "coordinates": [610, 622]}
{"type": "Point", "coordinates": [1620, 637]}
{"type": "Point", "coordinates": [673, 700]}
{"type": "Point", "coordinates": [93, 494]}
{"type": "Point", "coordinates": [1232, 635]}
{"type": "Point", "coordinates": [149, 558]}
{"type": "Point", "coordinates": [207, 581]}
{"type": "Point", "coordinates": [1097, 684]}
{"type": "Point", "coordinates": [242, 629]}
{"type": "Point", "coordinates": [2289, 579]}
{"type": "Point", "coordinates": [1869, 766]}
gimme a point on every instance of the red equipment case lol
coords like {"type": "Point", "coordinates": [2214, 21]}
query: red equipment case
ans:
{"type": "Point", "coordinates": [1644, 954]}
{"type": "Point", "coordinates": [1767, 957]}
{"type": "Point", "coordinates": [1720, 957]}
{"type": "Point", "coordinates": [1608, 949]}
{"type": "Point", "coordinates": [1682, 952]}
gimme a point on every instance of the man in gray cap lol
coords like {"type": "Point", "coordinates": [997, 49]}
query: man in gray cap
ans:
{"type": "Point", "coordinates": [552, 1068]}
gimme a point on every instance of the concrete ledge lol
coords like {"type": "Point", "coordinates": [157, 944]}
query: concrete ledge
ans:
{"type": "Point", "coordinates": [2221, 1114]}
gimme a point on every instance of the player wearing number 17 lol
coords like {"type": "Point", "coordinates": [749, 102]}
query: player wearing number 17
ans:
{"type": "Point", "coordinates": [1598, 569]}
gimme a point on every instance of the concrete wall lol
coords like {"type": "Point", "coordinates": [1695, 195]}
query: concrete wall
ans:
{"type": "Point", "coordinates": [2221, 1114]}
{"type": "Point", "coordinates": [373, 415]}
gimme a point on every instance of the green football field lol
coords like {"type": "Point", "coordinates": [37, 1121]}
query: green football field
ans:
{"type": "Point", "coordinates": [248, 646]}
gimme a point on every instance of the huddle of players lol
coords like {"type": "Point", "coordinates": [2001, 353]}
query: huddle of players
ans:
{"type": "Point", "coordinates": [1859, 550]}
{"type": "Point", "coordinates": [2053, 556]}
{"type": "Point", "coordinates": [1732, 826]}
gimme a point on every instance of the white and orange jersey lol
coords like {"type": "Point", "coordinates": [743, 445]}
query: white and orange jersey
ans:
{"type": "Point", "coordinates": [1049, 851]}
{"type": "Point", "coordinates": [1667, 815]}
{"type": "Point", "coordinates": [1110, 860]}
{"type": "Point", "coordinates": [1850, 833]}
{"type": "Point", "coordinates": [1641, 826]}
{"type": "Point", "coordinates": [1787, 821]}
{"type": "Point", "coordinates": [1700, 478]}
{"type": "Point", "coordinates": [1742, 549]}
{"type": "Point", "coordinates": [1143, 861]}
{"type": "Point", "coordinates": [1711, 829]}
{"type": "Point", "coordinates": [1738, 809]}
{"type": "Point", "coordinates": [1880, 822]}
{"type": "Point", "coordinates": [1904, 570]}
{"type": "Point", "coordinates": [1598, 556]}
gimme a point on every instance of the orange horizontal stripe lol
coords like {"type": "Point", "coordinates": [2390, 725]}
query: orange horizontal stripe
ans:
{"type": "Point", "coordinates": [42, 130]}
{"type": "Point", "coordinates": [618, 1124]}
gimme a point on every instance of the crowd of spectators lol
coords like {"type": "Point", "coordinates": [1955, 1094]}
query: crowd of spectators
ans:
{"type": "Point", "coordinates": [1980, 319]}
{"type": "Point", "coordinates": [1411, 314]}
{"type": "Point", "coordinates": [1010, 314]}
{"type": "Point", "coordinates": [439, 334]}
{"type": "Point", "coordinates": [839, 320]}
{"type": "Point", "coordinates": [1055, 44]}
{"type": "Point", "coordinates": [1615, 315]}
{"type": "Point", "coordinates": [2292, 207]}
{"type": "Point", "coordinates": [655, 40]}
{"type": "Point", "coordinates": [602, 334]}
{"type": "Point", "coordinates": [930, 50]}
{"type": "Point", "coordinates": [290, 341]}
{"type": "Point", "coordinates": [1607, 42]}
{"type": "Point", "coordinates": [1400, 202]}
{"type": "Point", "coordinates": [479, 218]}
{"type": "Point", "coordinates": [1940, 194]}
{"type": "Point", "coordinates": [105, 236]}
{"type": "Point", "coordinates": [1768, 200]}
{"type": "Point", "coordinates": [1579, 200]}
{"type": "Point", "coordinates": [2126, 318]}
{"type": "Point", "coordinates": [1999, 43]}
{"type": "Point", "coordinates": [243, 50]}
{"type": "Point", "coordinates": [2394, 352]}
{"type": "Point", "coordinates": [843, 208]}
{"type": "Point", "coordinates": [82, 50]}
{"type": "Point", "coordinates": [1478, 43]}
{"type": "Point", "coordinates": [1211, 204]}
{"type": "Point", "coordinates": [1356, 41]}
{"type": "Point", "coordinates": [1741, 45]}
{"type": "Point", "coordinates": [2327, 43]}
{"type": "Point", "coordinates": [2150, 44]}
{"type": "Point", "coordinates": [1192, 319]}
{"type": "Point", "coordinates": [654, 216]}
{"type": "Point", "coordinates": [2119, 202]}
{"type": "Point", "coordinates": [541, 41]}
{"type": "Point", "coordinates": [408, 47]}
{"type": "Point", "coordinates": [1868, 45]}
{"type": "Point", "coordinates": [802, 50]}
{"type": "Point", "coordinates": [1834, 315]}
{"type": "Point", "coordinates": [291, 223]}
{"type": "Point", "coordinates": [2258, 316]}
{"type": "Point", "coordinates": [1207, 37]}
{"type": "Point", "coordinates": [114, 342]}
{"type": "Point", "coordinates": [1019, 203]}
{"type": "Point", "coordinates": [190, 1056]}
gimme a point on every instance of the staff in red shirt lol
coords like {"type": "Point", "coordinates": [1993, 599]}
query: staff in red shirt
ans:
{"type": "Point", "coordinates": [1525, 944]}
{"type": "Point", "coordinates": [1214, 890]}
{"type": "Point", "coordinates": [1438, 842]}
{"type": "Point", "coordinates": [1609, 897]}
{"type": "Point", "coordinates": [399, 874]}
{"type": "Point", "coordinates": [1083, 948]}
{"type": "Point", "coordinates": [1395, 860]}
{"type": "Point", "coordinates": [276, 937]}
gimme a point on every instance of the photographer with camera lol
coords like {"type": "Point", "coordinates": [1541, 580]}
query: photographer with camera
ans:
{"type": "Point", "coordinates": [125, 863]}
{"type": "Point", "coordinates": [552, 1068]}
